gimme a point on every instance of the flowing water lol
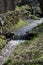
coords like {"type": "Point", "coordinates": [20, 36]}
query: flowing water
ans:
{"type": "Point", "coordinates": [29, 27]}
{"type": "Point", "coordinates": [8, 50]}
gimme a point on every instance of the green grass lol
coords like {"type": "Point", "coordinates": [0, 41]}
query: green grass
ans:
{"type": "Point", "coordinates": [20, 24]}
{"type": "Point", "coordinates": [2, 42]}
{"type": "Point", "coordinates": [28, 52]}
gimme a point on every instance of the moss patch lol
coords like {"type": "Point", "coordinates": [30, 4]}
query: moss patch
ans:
{"type": "Point", "coordinates": [2, 42]}
{"type": "Point", "coordinates": [20, 24]}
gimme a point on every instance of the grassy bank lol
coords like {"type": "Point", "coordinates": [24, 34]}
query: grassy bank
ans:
{"type": "Point", "coordinates": [20, 24]}
{"type": "Point", "coordinates": [13, 22]}
{"type": "Point", "coordinates": [28, 53]}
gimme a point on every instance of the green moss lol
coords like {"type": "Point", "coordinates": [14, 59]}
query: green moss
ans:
{"type": "Point", "coordinates": [25, 7]}
{"type": "Point", "coordinates": [20, 24]}
{"type": "Point", "coordinates": [25, 11]}
{"type": "Point", "coordinates": [2, 42]}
